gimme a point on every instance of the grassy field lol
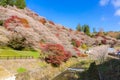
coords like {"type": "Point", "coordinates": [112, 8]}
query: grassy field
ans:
{"type": "Point", "coordinates": [12, 53]}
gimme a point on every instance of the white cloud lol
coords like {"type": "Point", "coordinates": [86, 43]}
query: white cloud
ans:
{"type": "Point", "coordinates": [117, 13]}
{"type": "Point", "coordinates": [116, 3]}
{"type": "Point", "coordinates": [104, 2]}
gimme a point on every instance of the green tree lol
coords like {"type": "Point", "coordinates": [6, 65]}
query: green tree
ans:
{"type": "Point", "coordinates": [79, 28]}
{"type": "Point", "coordinates": [83, 28]}
{"type": "Point", "coordinates": [7, 2]}
{"type": "Point", "coordinates": [20, 4]}
{"type": "Point", "coordinates": [11, 2]}
{"type": "Point", "coordinates": [3, 2]}
{"type": "Point", "coordinates": [86, 29]}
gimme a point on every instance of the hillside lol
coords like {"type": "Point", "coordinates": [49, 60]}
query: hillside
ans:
{"type": "Point", "coordinates": [28, 42]}
{"type": "Point", "coordinates": [38, 31]}
{"type": "Point", "coordinates": [114, 34]}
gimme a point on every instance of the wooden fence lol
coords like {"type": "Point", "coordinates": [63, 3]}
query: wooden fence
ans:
{"type": "Point", "coordinates": [16, 57]}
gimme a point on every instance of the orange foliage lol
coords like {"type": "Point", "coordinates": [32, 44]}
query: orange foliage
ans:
{"type": "Point", "coordinates": [16, 21]}
{"type": "Point", "coordinates": [57, 54]}
{"type": "Point", "coordinates": [43, 21]}
{"type": "Point", "coordinates": [51, 22]}
{"type": "Point", "coordinates": [24, 22]}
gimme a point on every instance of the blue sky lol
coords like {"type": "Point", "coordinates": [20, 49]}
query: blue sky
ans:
{"type": "Point", "coordinates": [99, 14]}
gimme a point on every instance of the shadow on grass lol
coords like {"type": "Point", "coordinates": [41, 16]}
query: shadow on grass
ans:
{"type": "Point", "coordinates": [90, 74]}
{"type": "Point", "coordinates": [109, 70]}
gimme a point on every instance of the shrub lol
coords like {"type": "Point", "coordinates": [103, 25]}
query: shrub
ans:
{"type": "Point", "coordinates": [42, 41]}
{"type": "Point", "coordinates": [57, 54]}
{"type": "Point", "coordinates": [118, 37]}
{"type": "Point", "coordinates": [75, 43]}
{"type": "Point", "coordinates": [43, 21]}
{"type": "Point", "coordinates": [79, 54]}
{"type": "Point", "coordinates": [84, 46]}
{"type": "Point", "coordinates": [15, 21]}
{"type": "Point", "coordinates": [103, 41]}
{"type": "Point", "coordinates": [76, 49]}
{"type": "Point", "coordinates": [24, 22]}
{"type": "Point", "coordinates": [51, 22]}
{"type": "Point", "coordinates": [57, 35]}
{"type": "Point", "coordinates": [1, 22]}
{"type": "Point", "coordinates": [17, 42]}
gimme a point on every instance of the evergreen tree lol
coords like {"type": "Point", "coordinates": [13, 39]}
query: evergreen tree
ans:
{"type": "Point", "coordinates": [79, 28]}
{"type": "Point", "coordinates": [86, 29]}
{"type": "Point", "coordinates": [20, 4]}
{"type": "Point", "coordinates": [83, 28]}
{"type": "Point", "coordinates": [3, 2]}
{"type": "Point", "coordinates": [7, 2]}
{"type": "Point", "coordinates": [11, 2]}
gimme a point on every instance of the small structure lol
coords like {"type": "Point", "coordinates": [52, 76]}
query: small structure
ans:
{"type": "Point", "coordinates": [6, 75]}
{"type": "Point", "coordinates": [76, 69]}
{"type": "Point", "coordinates": [111, 50]}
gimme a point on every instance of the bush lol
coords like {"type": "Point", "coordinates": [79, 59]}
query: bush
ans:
{"type": "Point", "coordinates": [51, 22]}
{"type": "Point", "coordinates": [75, 43]}
{"type": "Point", "coordinates": [103, 41]}
{"type": "Point", "coordinates": [15, 21]}
{"type": "Point", "coordinates": [43, 21]}
{"type": "Point", "coordinates": [84, 46]}
{"type": "Point", "coordinates": [1, 22]}
{"type": "Point", "coordinates": [118, 37]}
{"type": "Point", "coordinates": [17, 42]}
{"type": "Point", "coordinates": [57, 54]}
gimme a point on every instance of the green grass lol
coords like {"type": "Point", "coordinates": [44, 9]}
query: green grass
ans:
{"type": "Point", "coordinates": [21, 70]}
{"type": "Point", "coordinates": [12, 53]}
